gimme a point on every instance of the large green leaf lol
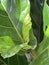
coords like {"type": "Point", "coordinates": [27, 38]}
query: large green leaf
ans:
{"type": "Point", "coordinates": [8, 36]}
{"type": "Point", "coordinates": [19, 16]}
{"type": "Point", "coordinates": [7, 31]}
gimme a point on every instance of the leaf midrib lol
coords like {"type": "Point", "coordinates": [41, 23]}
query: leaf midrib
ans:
{"type": "Point", "coordinates": [13, 25]}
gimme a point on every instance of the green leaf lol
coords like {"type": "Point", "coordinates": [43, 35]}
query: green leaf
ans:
{"type": "Point", "coordinates": [19, 16]}
{"type": "Point", "coordinates": [6, 28]}
{"type": "Point", "coordinates": [8, 31]}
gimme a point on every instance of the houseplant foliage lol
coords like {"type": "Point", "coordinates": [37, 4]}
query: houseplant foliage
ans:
{"type": "Point", "coordinates": [21, 21]}
{"type": "Point", "coordinates": [42, 57]}
{"type": "Point", "coordinates": [17, 35]}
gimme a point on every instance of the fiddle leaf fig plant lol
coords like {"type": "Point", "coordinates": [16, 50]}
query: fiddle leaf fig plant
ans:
{"type": "Point", "coordinates": [20, 32]}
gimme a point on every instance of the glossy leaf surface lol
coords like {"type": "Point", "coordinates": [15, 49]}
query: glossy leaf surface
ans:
{"type": "Point", "coordinates": [7, 30]}
{"type": "Point", "coordinates": [16, 25]}
{"type": "Point", "coordinates": [19, 16]}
